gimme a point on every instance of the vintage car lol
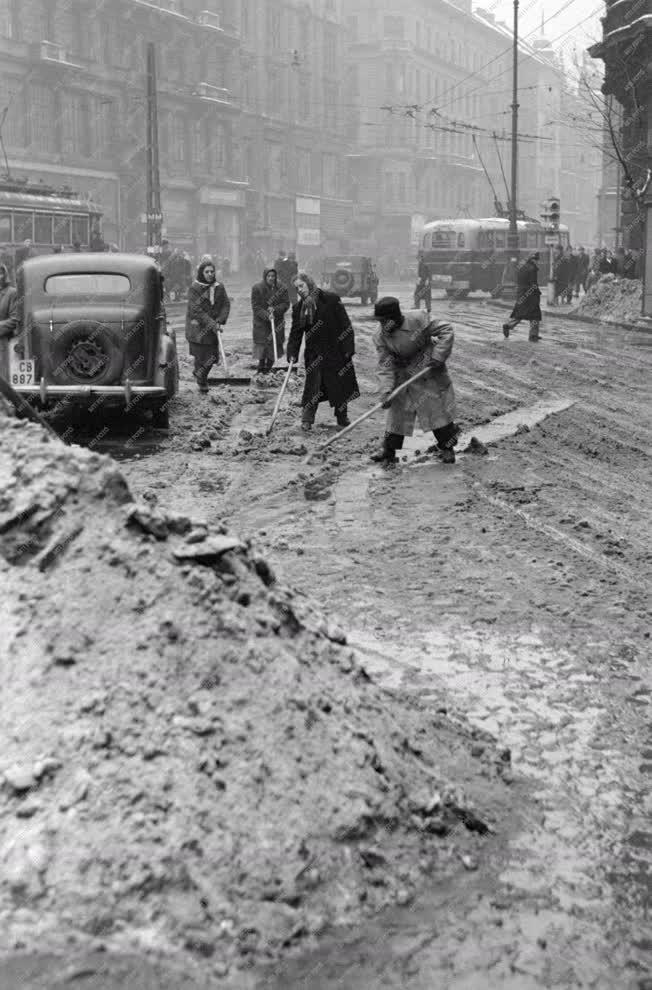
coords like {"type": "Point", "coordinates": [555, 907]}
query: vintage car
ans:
{"type": "Point", "coordinates": [92, 331]}
{"type": "Point", "coordinates": [352, 275]}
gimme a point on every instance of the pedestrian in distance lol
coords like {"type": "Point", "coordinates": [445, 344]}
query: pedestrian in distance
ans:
{"type": "Point", "coordinates": [582, 271]}
{"type": "Point", "coordinates": [406, 344]}
{"type": "Point", "coordinates": [528, 298]}
{"type": "Point", "coordinates": [320, 318]}
{"type": "Point", "coordinates": [269, 300]}
{"type": "Point", "coordinates": [207, 312]}
{"type": "Point", "coordinates": [423, 290]}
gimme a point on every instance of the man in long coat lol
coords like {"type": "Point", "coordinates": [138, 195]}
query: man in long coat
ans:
{"type": "Point", "coordinates": [8, 319]}
{"type": "Point", "coordinates": [207, 312]}
{"type": "Point", "coordinates": [268, 299]}
{"type": "Point", "coordinates": [528, 298]}
{"type": "Point", "coordinates": [407, 343]}
{"type": "Point", "coordinates": [321, 318]}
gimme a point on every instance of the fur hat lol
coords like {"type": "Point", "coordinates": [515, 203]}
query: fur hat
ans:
{"type": "Point", "coordinates": [388, 308]}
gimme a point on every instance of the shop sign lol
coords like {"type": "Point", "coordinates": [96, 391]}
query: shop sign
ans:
{"type": "Point", "coordinates": [308, 236]}
{"type": "Point", "coordinates": [211, 196]}
{"type": "Point", "coordinates": [308, 205]}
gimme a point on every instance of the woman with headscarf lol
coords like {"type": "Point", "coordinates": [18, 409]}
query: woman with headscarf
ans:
{"type": "Point", "coordinates": [320, 318]}
{"type": "Point", "coordinates": [207, 312]}
{"type": "Point", "coordinates": [268, 299]}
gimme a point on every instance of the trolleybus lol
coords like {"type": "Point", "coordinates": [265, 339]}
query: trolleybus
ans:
{"type": "Point", "coordinates": [465, 255]}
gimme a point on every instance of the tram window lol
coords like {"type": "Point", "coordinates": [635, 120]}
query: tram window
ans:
{"type": "Point", "coordinates": [80, 230]}
{"type": "Point", "coordinates": [42, 229]}
{"type": "Point", "coordinates": [5, 228]}
{"type": "Point", "coordinates": [62, 230]}
{"type": "Point", "coordinates": [460, 240]}
{"type": "Point", "coordinates": [499, 239]}
{"type": "Point", "coordinates": [23, 226]}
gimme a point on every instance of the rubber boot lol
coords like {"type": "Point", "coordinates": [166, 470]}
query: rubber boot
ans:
{"type": "Point", "coordinates": [342, 417]}
{"type": "Point", "coordinates": [534, 331]}
{"type": "Point", "coordinates": [387, 453]}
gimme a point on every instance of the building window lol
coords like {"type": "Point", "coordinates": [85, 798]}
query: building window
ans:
{"type": "Point", "coordinates": [389, 187]}
{"type": "Point", "coordinates": [42, 118]}
{"type": "Point", "coordinates": [394, 27]}
{"type": "Point", "coordinates": [72, 123]}
{"type": "Point", "coordinates": [330, 106]}
{"type": "Point", "coordinates": [330, 185]}
{"type": "Point", "coordinates": [330, 50]}
{"type": "Point", "coordinates": [402, 188]}
{"type": "Point", "coordinates": [198, 143]}
{"type": "Point", "coordinates": [177, 139]}
{"type": "Point", "coordinates": [352, 28]}
{"type": "Point", "coordinates": [273, 28]}
{"type": "Point", "coordinates": [218, 145]}
{"type": "Point", "coordinates": [303, 170]}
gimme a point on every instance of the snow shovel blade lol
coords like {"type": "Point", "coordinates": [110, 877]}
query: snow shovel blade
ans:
{"type": "Point", "coordinates": [229, 380]}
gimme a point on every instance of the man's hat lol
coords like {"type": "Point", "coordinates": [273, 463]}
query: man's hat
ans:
{"type": "Point", "coordinates": [388, 308]}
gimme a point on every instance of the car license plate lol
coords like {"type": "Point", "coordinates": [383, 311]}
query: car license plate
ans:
{"type": "Point", "coordinates": [460, 284]}
{"type": "Point", "coordinates": [21, 371]}
{"type": "Point", "coordinates": [441, 279]}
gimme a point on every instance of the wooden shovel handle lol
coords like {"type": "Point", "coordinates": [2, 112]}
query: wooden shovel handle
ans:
{"type": "Point", "coordinates": [280, 396]}
{"type": "Point", "coordinates": [370, 412]}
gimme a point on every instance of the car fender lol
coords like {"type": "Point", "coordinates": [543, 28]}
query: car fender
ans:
{"type": "Point", "coordinates": [167, 356]}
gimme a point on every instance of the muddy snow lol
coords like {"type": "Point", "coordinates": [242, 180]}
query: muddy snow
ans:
{"type": "Point", "coordinates": [194, 764]}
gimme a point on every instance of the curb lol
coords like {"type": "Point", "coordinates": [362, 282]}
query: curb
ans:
{"type": "Point", "coordinates": [576, 318]}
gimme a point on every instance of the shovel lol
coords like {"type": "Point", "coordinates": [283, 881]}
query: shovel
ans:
{"type": "Point", "coordinates": [21, 405]}
{"type": "Point", "coordinates": [370, 412]}
{"type": "Point", "coordinates": [280, 396]}
{"type": "Point", "coordinates": [277, 367]}
{"type": "Point", "coordinates": [227, 379]}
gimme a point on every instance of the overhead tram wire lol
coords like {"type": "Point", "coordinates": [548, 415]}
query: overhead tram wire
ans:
{"type": "Point", "coordinates": [501, 55]}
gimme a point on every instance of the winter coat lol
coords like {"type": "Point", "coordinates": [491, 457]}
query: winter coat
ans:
{"type": "Point", "coordinates": [262, 297]}
{"type": "Point", "coordinates": [202, 318]}
{"type": "Point", "coordinates": [329, 350]}
{"type": "Point", "coordinates": [583, 262]}
{"type": "Point", "coordinates": [404, 352]}
{"type": "Point", "coordinates": [528, 293]}
{"type": "Point", "coordinates": [8, 326]}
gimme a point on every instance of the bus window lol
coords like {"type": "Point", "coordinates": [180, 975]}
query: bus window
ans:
{"type": "Point", "coordinates": [5, 227]}
{"type": "Point", "coordinates": [80, 230]}
{"type": "Point", "coordinates": [460, 240]}
{"type": "Point", "coordinates": [23, 226]}
{"type": "Point", "coordinates": [42, 229]}
{"type": "Point", "coordinates": [499, 239]}
{"type": "Point", "coordinates": [62, 233]}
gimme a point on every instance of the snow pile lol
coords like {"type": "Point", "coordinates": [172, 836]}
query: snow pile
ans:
{"type": "Point", "coordinates": [613, 298]}
{"type": "Point", "coordinates": [191, 759]}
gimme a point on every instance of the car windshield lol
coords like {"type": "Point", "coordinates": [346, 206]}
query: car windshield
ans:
{"type": "Point", "coordinates": [88, 284]}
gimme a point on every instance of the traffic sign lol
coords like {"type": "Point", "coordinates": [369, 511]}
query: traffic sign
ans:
{"type": "Point", "coordinates": [552, 239]}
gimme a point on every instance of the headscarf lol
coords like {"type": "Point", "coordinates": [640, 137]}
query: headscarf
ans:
{"type": "Point", "coordinates": [207, 262]}
{"type": "Point", "coordinates": [309, 304]}
{"type": "Point", "coordinates": [4, 274]}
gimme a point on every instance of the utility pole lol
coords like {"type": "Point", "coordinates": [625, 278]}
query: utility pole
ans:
{"type": "Point", "coordinates": [513, 229]}
{"type": "Point", "coordinates": [154, 216]}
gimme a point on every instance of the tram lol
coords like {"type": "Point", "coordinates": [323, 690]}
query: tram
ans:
{"type": "Point", "coordinates": [50, 219]}
{"type": "Point", "coordinates": [466, 255]}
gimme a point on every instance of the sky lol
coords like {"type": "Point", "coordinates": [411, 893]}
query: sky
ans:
{"type": "Point", "coordinates": [568, 22]}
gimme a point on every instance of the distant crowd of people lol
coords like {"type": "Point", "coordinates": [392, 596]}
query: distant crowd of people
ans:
{"type": "Point", "coordinates": [574, 270]}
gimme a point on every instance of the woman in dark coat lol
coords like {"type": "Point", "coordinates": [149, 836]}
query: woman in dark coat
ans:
{"type": "Point", "coordinates": [207, 312]}
{"type": "Point", "coordinates": [268, 299]}
{"type": "Point", "coordinates": [528, 299]}
{"type": "Point", "coordinates": [330, 345]}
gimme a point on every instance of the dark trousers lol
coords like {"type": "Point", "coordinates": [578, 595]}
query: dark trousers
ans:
{"type": "Point", "coordinates": [446, 437]}
{"type": "Point", "coordinates": [308, 413]}
{"type": "Point", "coordinates": [205, 355]}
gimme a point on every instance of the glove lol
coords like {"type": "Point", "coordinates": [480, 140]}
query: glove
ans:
{"type": "Point", "coordinates": [292, 358]}
{"type": "Point", "coordinates": [387, 403]}
{"type": "Point", "coordinates": [435, 366]}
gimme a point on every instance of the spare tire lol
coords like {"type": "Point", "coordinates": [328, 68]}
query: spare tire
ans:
{"type": "Point", "coordinates": [343, 281]}
{"type": "Point", "coordinates": [86, 353]}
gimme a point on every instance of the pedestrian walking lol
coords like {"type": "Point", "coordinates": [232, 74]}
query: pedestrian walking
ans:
{"type": "Point", "coordinates": [423, 290]}
{"type": "Point", "coordinates": [207, 312]}
{"type": "Point", "coordinates": [269, 300]}
{"type": "Point", "coordinates": [320, 317]}
{"type": "Point", "coordinates": [8, 319]}
{"type": "Point", "coordinates": [582, 271]}
{"type": "Point", "coordinates": [406, 344]}
{"type": "Point", "coordinates": [563, 275]}
{"type": "Point", "coordinates": [528, 298]}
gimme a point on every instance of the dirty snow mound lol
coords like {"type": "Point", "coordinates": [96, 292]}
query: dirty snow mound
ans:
{"type": "Point", "coordinates": [613, 298]}
{"type": "Point", "coordinates": [191, 759]}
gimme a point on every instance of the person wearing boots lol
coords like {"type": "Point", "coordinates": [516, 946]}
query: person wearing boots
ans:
{"type": "Point", "coordinates": [528, 298]}
{"type": "Point", "coordinates": [207, 312]}
{"type": "Point", "coordinates": [405, 345]}
{"type": "Point", "coordinates": [320, 317]}
{"type": "Point", "coordinates": [268, 299]}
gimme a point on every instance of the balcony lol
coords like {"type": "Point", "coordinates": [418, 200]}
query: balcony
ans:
{"type": "Point", "coordinates": [173, 7]}
{"type": "Point", "coordinates": [214, 94]}
{"type": "Point", "coordinates": [53, 54]}
{"type": "Point", "coordinates": [211, 19]}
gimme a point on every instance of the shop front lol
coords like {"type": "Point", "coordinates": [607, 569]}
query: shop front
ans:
{"type": "Point", "coordinates": [219, 224]}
